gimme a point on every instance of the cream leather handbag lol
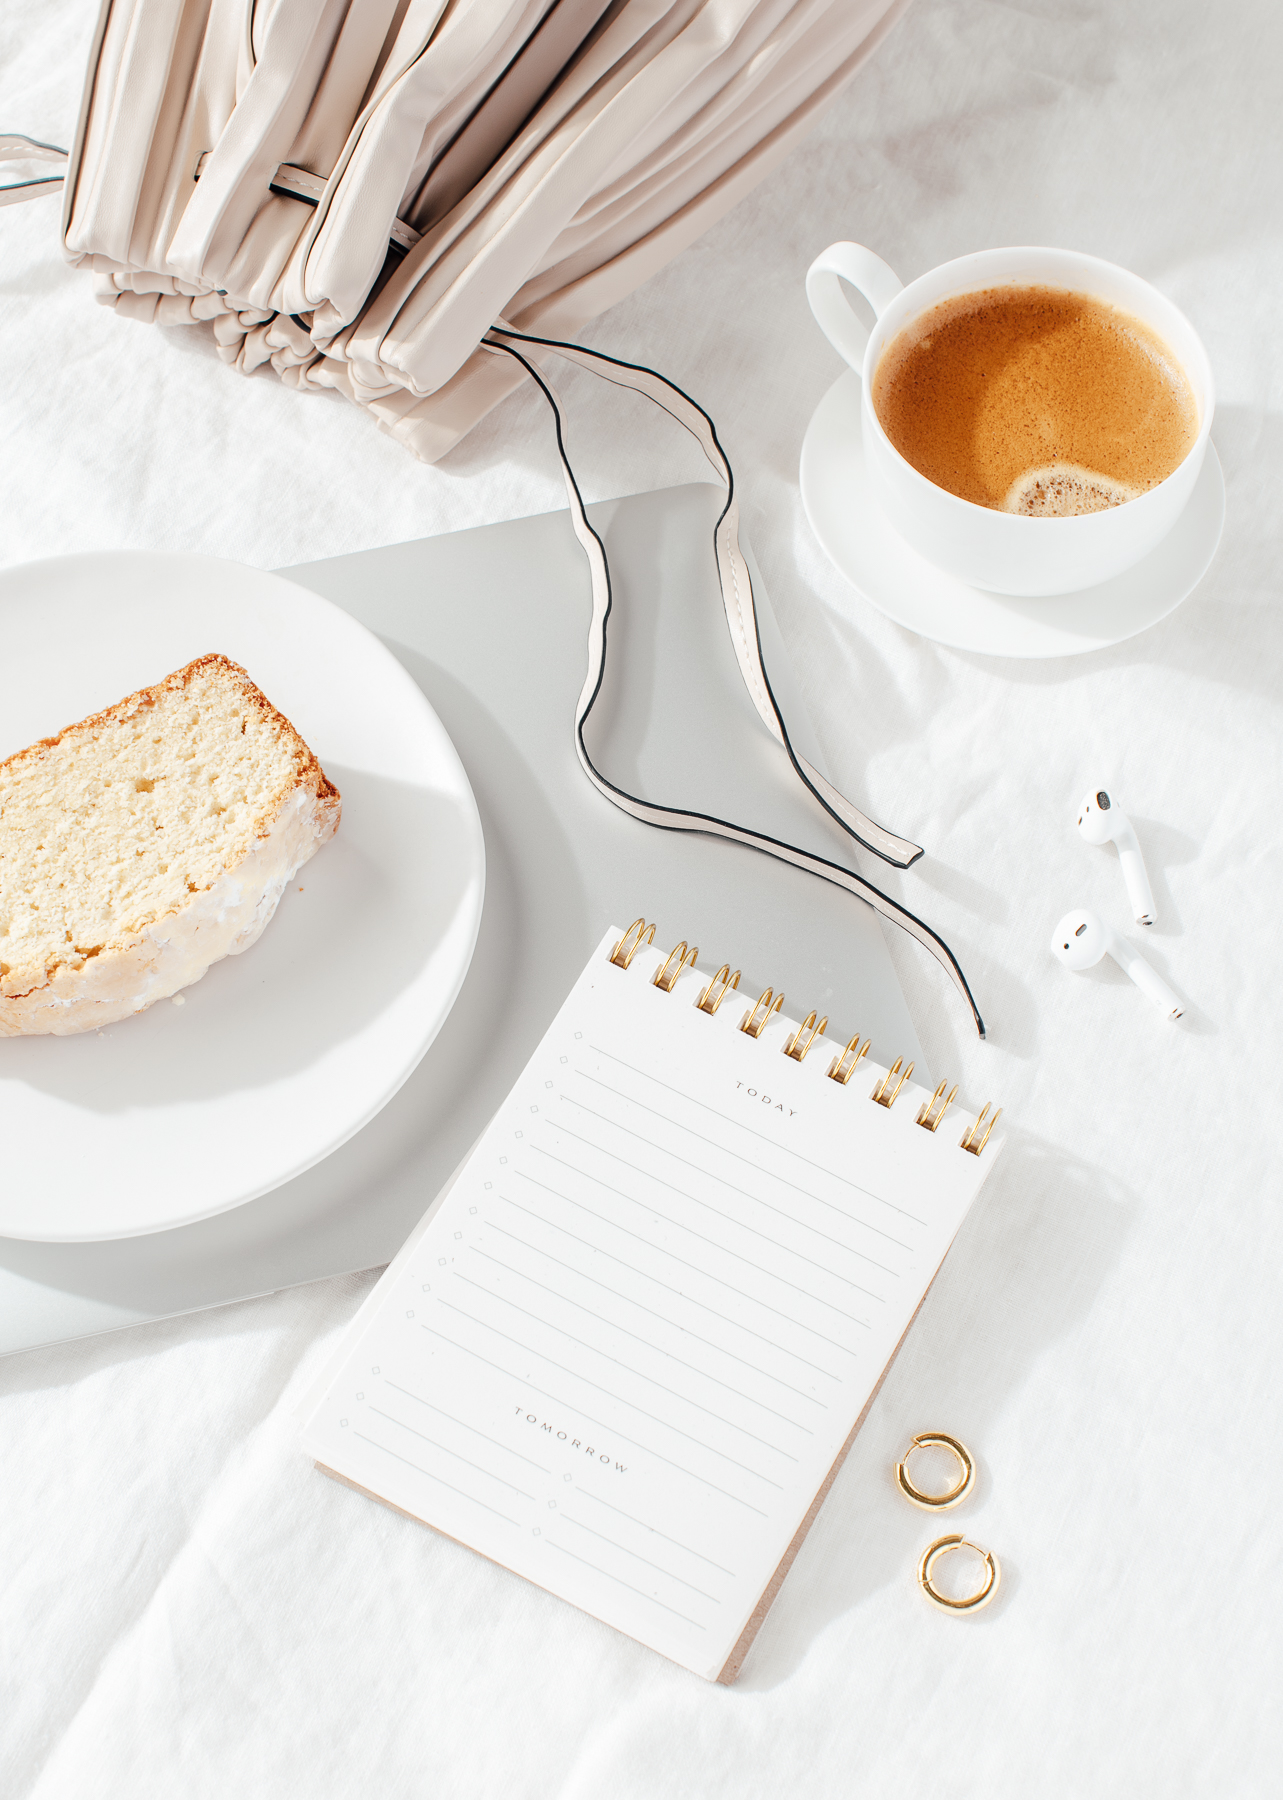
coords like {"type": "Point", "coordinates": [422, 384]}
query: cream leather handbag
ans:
{"type": "Point", "coordinates": [353, 190]}
{"type": "Point", "coordinates": [413, 201]}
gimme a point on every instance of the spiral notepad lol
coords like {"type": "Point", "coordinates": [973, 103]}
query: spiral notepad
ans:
{"type": "Point", "coordinates": [627, 1352]}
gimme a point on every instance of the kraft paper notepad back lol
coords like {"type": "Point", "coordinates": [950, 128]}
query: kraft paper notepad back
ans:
{"type": "Point", "coordinates": [626, 1352]}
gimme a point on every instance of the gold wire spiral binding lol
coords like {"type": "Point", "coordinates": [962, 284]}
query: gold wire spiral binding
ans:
{"type": "Point", "coordinates": [927, 1114]}
{"type": "Point", "coordinates": [880, 1091]}
{"type": "Point", "coordinates": [842, 1070]}
{"type": "Point", "coordinates": [723, 981]}
{"type": "Point", "coordinates": [685, 960]}
{"type": "Point", "coordinates": [645, 935]}
{"type": "Point", "coordinates": [968, 1140]}
{"type": "Point", "coordinates": [751, 1023]}
{"type": "Point", "coordinates": [795, 1047]}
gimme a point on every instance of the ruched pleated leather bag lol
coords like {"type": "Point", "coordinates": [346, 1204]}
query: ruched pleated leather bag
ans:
{"type": "Point", "coordinates": [352, 191]}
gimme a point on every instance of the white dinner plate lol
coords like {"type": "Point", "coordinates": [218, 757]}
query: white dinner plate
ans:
{"type": "Point", "coordinates": [860, 543]}
{"type": "Point", "coordinates": [276, 1056]}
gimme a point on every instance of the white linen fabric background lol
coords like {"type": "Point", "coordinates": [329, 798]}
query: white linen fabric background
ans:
{"type": "Point", "coordinates": [188, 1608]}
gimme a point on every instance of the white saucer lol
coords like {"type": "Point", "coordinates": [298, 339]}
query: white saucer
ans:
{"type": "Point", "coordinates": [859, 542]}
{"type": "Point", "coordinates": [279, 1055]}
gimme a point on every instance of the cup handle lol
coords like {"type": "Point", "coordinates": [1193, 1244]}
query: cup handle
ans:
{"type": "Point", "coordinates": [833, 314]}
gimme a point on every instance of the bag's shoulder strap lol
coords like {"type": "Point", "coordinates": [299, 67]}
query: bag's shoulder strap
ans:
{"type": "Point", "coordinates": [737, 587]}
{"type": "Point", "coordinates": [737, 596]}
{"type": "Point", "coordinates": [16, 148]}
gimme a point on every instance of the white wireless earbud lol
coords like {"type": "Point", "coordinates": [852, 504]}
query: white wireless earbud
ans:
{"type": "Point", "coordinates": [1082, 938]}
{"type": "Point", "coordinates": [1102, 822]}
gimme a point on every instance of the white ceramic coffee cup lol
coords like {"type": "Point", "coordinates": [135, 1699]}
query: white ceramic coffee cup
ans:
{"type": "Point", "coordinates": [1006, 552]}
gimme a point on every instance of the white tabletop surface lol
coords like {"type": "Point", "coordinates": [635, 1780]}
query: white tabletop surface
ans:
{"type": "Point", "coordinates": [190, 1609]}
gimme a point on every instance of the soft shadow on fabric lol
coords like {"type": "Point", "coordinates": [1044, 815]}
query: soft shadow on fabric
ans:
{"type": "Point", "coordinates": [1022, 1274]}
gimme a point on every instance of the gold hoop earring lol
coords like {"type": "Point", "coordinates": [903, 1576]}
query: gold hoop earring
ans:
{"type": "Point", "coordinates": [960, 1489]}
{"type": "Point", "coordinates": [931, 1556]}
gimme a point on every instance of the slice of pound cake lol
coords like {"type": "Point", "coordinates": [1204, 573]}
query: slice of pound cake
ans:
{"type": "Point", "coordinates": [143, 844]}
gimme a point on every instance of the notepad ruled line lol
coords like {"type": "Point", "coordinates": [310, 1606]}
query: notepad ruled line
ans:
{"type": "Point", "coordinates": [410, 1462]}
{"type": "Point", "coordinates": [610, 1394]}
{"type": "Point", "coordinates": [654, 1279]}
{"type": "Point", "coordinates": [712, 1174]}
{"type": "Point", "coordinates": [657, 1348]}
{"type": "Point", "coordinates": [624, 1550]}
{"type": "Point", "coordinates": [475, 1429]}
{"type": "Point", "coordinates": [737, 1125]}
{"type": "Point", "coordinates": [680, 1225]}
{"type": "Point", "coordinates": [743, 1224]}
{"type": "Point", "coordinates": [488, 1473]}
{"type": "Point", "coordinates": [587, 1494]}
{"type": "Point", "coordinates": [525, 1382]}
{"type": "Point", "coordinates": [597, 1568]}
{"type": "Point", "coordinates": [753, 1299]}
{"type": "Point", "coordinates": [541, 1319]}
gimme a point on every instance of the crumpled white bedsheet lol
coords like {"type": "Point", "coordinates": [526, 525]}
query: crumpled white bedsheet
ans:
{"type": "Point", "coordinates": [188, 1609]}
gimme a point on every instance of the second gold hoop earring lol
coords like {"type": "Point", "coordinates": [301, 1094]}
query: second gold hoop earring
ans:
{"type": "Point", "coordinates": [971, 1602]}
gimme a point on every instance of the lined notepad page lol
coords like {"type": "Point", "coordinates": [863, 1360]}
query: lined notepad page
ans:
{"type": "Point", "coordinates": [624, 1353]}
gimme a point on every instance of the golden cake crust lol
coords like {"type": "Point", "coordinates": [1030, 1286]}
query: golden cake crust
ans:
{"type": "Point", "coordinates": [310, 769]}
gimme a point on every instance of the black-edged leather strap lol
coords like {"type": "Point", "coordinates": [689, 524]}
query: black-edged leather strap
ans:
{"type": "Point", "coordinates": [14, 147]}
{"type": "Point", "coordinates": [737, 595]}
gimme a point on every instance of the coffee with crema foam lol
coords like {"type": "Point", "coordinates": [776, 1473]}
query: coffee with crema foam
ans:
{"type": "Point", "coordinates": [1035, 400]}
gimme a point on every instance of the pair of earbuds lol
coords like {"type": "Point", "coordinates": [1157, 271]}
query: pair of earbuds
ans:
{"type": "Point", "coordinates": [1082, 938]}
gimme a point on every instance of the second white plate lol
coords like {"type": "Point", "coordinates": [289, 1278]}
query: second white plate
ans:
{"type": "Point", "coordinates": [277, 1056]}
{"type": "Point", "coordinates": [859, 542]}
